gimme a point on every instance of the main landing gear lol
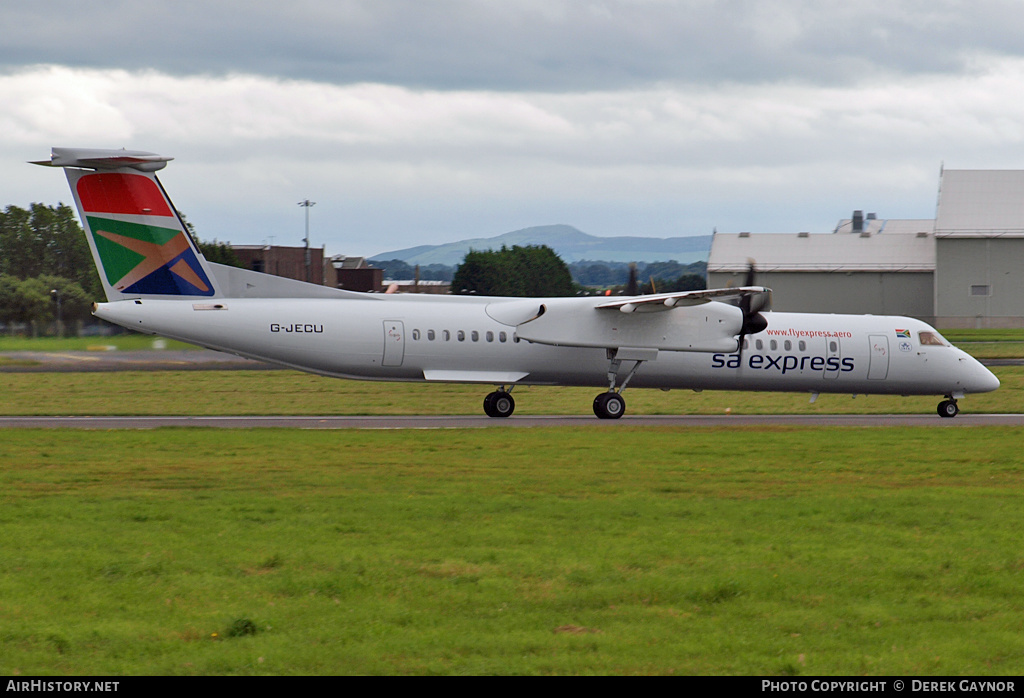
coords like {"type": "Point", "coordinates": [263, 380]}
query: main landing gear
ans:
{"type": "Point", "coordinates": [948, 408]}
{"type": "Point", "coordinates": [607, 405]}
{"type": "Point", "coordinates": [499, 403]}
{"type": "Point", "coordinates": [611, 404]}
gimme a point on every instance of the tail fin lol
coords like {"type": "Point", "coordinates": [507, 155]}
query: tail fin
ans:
{"type": "Point", "coordinates": [138, 241]}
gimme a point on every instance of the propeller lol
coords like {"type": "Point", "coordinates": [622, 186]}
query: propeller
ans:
{"type": "Point", "coordinates": [632, 288]}
{"type": "Point", "coordinates": [752, 304]}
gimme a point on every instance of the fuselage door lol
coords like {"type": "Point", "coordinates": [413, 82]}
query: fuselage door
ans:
{"type": "Point", "coordinates": [394, 343]}
{"type": "Point", "coordinates": [878, 363]}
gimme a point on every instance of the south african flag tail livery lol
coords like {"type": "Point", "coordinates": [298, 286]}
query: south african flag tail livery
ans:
{"type": "Point", "coordinates": [136, 236]}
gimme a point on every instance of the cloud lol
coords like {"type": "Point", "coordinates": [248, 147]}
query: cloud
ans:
{"type": "Point", "coordinates": [520, 45]}
{"type": "Point", "coordinates": [392, 166]}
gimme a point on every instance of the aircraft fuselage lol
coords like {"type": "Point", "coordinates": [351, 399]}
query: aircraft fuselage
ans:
{"type": "Point", "coordinates": [156, 280]}
{"type": "Point", "coordinates": [456, 340]}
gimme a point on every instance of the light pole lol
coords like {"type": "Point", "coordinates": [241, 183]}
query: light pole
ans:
{"type": "Point", "coordinates": [307, 204]}
{"type": "Point", "coordinates": [55, 294]}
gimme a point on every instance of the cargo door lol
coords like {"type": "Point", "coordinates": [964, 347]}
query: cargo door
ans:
{"type": "Point", "coordinates": [878, 363]}
{"type": "Point", "coordinates": [394, 343]}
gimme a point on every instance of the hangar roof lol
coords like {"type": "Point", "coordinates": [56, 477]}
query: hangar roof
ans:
{"type": "Point", "coordinates": [824, 252]}
{"type": "Point", "coordinates": [980, 203]}
{"type": "Point", "coordinates": [888, 226]}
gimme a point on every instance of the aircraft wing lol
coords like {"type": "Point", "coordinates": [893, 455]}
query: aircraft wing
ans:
{"type": "Point", "coordinates": [667, 301]}
{"type": "Point", "coordinates": [697, 322]}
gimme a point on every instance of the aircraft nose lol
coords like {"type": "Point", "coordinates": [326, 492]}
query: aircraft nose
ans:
{"type": "Point", "coordinates": [981, 380]}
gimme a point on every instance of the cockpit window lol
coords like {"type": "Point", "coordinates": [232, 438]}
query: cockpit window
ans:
{"type": "Point", "coordinates": [932, 339]}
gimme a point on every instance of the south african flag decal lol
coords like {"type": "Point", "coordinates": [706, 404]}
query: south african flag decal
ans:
{"type": "Point", "coordinates": [138, 237]}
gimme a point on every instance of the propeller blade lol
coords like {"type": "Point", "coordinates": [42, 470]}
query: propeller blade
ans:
{"type": "Point", "coordinates": [752, 305]}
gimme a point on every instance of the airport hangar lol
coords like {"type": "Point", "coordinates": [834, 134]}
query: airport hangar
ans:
{"type": "Point", "coordinates": [964, 269]}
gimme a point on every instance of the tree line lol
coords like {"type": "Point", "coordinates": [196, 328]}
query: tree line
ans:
{"type": "Point", "coordinates": [46, 269]}
{"type": "Point", "coordinates": [47, 275]}
{"type": "Point", "coordinates": [666, 276]}
{"type": "Point", "coordinates": [536, 270]}
{"type": "Point", "coordinates": [532, 271]}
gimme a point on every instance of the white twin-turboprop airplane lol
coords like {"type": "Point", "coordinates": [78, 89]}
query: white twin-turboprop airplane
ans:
{"type": "Point", "coordinates": [158, 282]}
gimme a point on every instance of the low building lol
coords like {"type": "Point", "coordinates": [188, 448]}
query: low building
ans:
{"type": "Point", "coordinates": [962, 269]}
{"type": "Point", "coordinates": [879, 267]}
{"type": "Point", "coordinates": [353, 274]}
{"type": "Point", "coordinates": [417, 286]}
{"type": "Point", "coordinates": [289, 262]}
{"type": "Point", "coordinates": [340, 271]}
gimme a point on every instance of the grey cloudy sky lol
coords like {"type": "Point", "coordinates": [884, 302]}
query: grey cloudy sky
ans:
{"type": "Point", "coordinates": [417, 122]}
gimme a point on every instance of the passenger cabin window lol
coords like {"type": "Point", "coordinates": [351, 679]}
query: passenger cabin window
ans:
{"type": "Point", "coordinates": [931, 339]}
{"type": "Point", "coordinates": [489, 336]}
{"type": "Point", "coordinates": [475, 336]}
{"type": "Point", "coordinates": [803, 345]}
{"type": "Point", "coordinates": [416, 335]}
{"type": "Point", "coordinates": [461, 336]}
{"type": "Point", "coordinates": [447, 335]}
{"type": "Point", "coordinates": [502, 337]}
{"type": "Point", "coordinates": [430, 335]}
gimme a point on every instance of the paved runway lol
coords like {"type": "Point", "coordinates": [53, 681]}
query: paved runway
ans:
{"type": "Point", "coordinates": [481, 421]}
{"type": "Point", "coordinates": [155, 360]}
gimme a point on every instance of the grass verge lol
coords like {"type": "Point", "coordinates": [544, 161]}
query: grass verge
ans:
{"type": "Point", "coordinates": [543, 551]}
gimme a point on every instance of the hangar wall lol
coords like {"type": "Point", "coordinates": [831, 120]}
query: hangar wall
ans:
{"type": "Point", "coordinates": [979, 236]}
{"type": "Point", "coordinates": [978, 281]}
{"type": "Point", "coordinates": [875, 293]}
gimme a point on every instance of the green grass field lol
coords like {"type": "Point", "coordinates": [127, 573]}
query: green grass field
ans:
{"type": "Point", "coordinates": [755, 551]}
{"type": "Point", "coordinates": [539, 551]}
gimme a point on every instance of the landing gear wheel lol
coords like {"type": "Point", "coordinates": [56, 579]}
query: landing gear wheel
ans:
{"type": "Point", "coordinates": [499, 404]}
{"type": "Point", "coordinates": [948, 409]}
{"type": "Point", "coordinates": [609, 406]}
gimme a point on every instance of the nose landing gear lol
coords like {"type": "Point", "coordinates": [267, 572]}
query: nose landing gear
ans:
{"type": "Point", "coordinates": [948, 408]}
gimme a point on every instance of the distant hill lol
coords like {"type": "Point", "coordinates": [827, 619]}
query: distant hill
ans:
{"type": "Point", "coordinates": [570, 244]}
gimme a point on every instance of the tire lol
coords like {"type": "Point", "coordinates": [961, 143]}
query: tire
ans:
{"type": "Point", "coordinates": [609, 406]}
{"type": "Point", "coordinates": [503, 405]}
{"type": "Point", "coordinates": [499, 404]}
{"type": "Point", "coordinates": [948, 409]}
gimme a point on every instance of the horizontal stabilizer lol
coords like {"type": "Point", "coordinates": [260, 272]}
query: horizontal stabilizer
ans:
{"type": "Point", "coordinates": [100, 159]}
